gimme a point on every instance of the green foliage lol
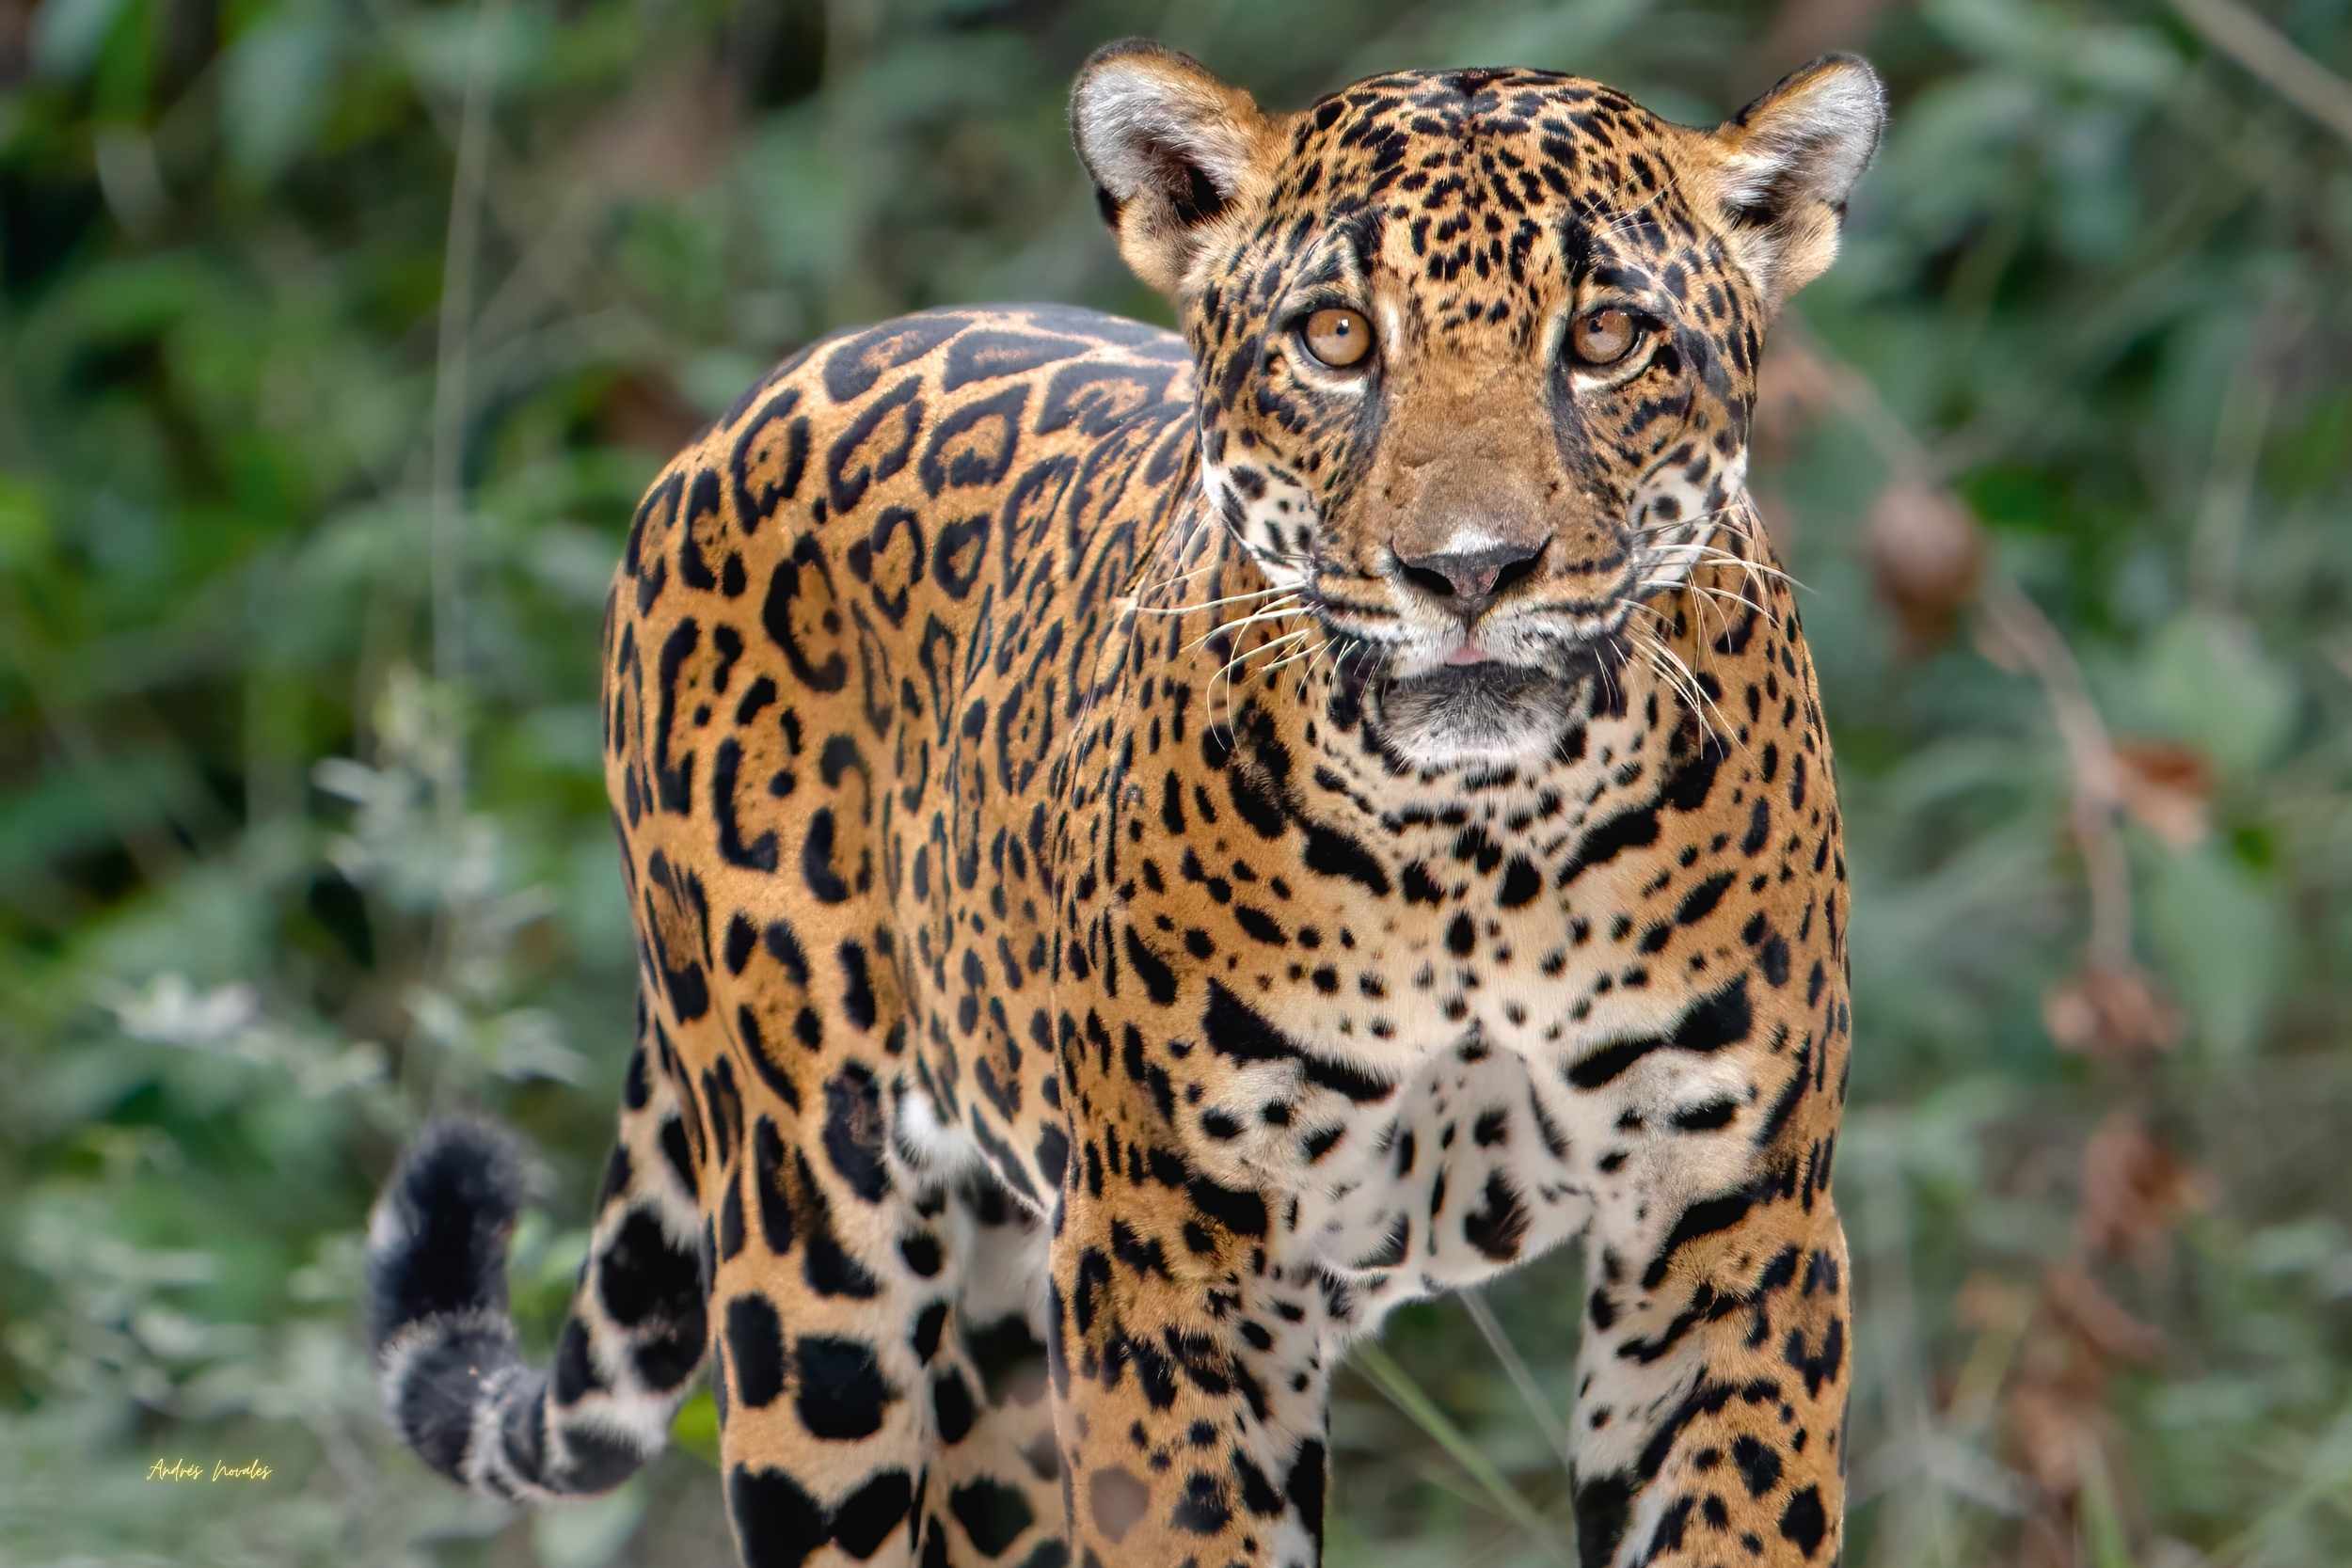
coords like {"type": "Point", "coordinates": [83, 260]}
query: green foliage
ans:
{"type": "Point", "coordinates": [337, 341]}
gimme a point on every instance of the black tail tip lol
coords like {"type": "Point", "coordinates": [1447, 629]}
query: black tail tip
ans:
{"type": "Point", "coordinates": [437, 1242]}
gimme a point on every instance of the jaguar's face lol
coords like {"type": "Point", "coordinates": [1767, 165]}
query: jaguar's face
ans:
{"type": "Point", "coordinates": [1477, 349]}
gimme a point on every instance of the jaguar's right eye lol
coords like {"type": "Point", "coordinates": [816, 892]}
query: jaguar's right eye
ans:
{"type": "Point", "coordinates": [1605, 336]}
{"type": "Point", "coordinates": [1339, 338]}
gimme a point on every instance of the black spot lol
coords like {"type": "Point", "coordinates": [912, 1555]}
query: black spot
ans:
{"type": "Point", "coordinates": [759, 854]}
{"type": "Point", "coordinates": [1158, 978]}
{"type": "Point", "coordinates": [1604, 1506]}
{"type": "Point", "coordinates": [857, 986]}
{"type": "Point", "coordinates": [755, 1349]}
{"type": "Point", "coordinates": [828, 1269]}
{"type": "Point", "coordinates": [817, 860]}
{"type": "Point", "coordinates": [775, 1203]}
{"type": "Point", "coordinates": [1234, 1028]}
{"type": "Point", "coordinates": [1760, 1466]}
{"type": "Point", "coordinates": [921, 1252]}
{"type": "Point", "coordinates": [951, 1406]}
{"type": "Point", "coordinates": [1202, 1509]}
{"type": "Point", "coordinates": [1627, 829]}
{"type": "Point", "coordinates": [1243, 1213]}
{"type": "Point", "coordinates": [1304, 1486]}
{"type": "Point", "coordinates": [842, 1392]}
{"type": "Point", "coordinates": [741, 938]}
{"type": "Point", "coordinates": [1803, 1521]}
{"type": "Point", "coordinates": [1701, 900]}
{"type": "Point", "coordinates": [928, 1326]}
{"type": "Point", "coordinates": [575, 1371]}
{"type": "Point", "coordinates": [1499, 1226]}
{"type": "Point", "coordinates": [1717, 1021]}
{"type": "Point", "coordinates": [777, 1524]}
{"type": "Point", "coordinates": [1460, 936]}
{"type": "Point", "coordinates": [1689, 786]}
{"type": "Point", "coordinates": [1667, 1537]}
{"type": "Point", "coordinates": [644, 1281]}
{"type": "Point", "coordinates": [1702, 1218]}
{"type": "Point", "coordinates": [1706, 1115]}
{"type": "Point", "coordinates": [868, 1515]}
{"type": "Point", "coordinates": [1335, 854]}
{"type": "Point", "coordinates": [853, 1132]}
{"type": "Point", "coordinates": [731, 1222]}
{"type": "Point", "coordinates": [993, 1514]}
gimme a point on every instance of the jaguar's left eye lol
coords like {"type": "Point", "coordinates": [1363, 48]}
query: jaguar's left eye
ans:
{"type": "Point", "coordinates": [1605, 336]}
{"type": "Point", "coordinates": [1338, 337]}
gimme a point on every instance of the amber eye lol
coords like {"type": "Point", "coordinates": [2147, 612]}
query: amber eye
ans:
{"type": "Point", "coordinates": [1603, 337]}
{"type": "Point", "coordinates": [1338, 337]}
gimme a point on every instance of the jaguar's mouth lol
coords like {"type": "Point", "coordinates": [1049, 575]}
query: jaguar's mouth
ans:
{"type": "Point", "coordinates": [1476, 708]}
{"type": "Point", "coordinates": [1467, 652]}
{"type": "Point", "coordinates": [1470, 682]}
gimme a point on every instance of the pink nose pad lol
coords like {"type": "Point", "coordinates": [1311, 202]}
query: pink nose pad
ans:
{"type": "Point", "coordinates": [1467, 581]}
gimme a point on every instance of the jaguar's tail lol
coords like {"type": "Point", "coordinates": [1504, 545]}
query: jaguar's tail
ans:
{"type": "Point", "coordinates": [452, 1370]}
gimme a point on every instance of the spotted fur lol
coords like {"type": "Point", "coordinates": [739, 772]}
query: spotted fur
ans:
{"type": "Point", "coordinates": [1115, 920]}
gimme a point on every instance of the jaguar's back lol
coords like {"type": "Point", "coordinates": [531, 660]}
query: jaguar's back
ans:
{"type": "Point", "coordinates": [1149, 851]}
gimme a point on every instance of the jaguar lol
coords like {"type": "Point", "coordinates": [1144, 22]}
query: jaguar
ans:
{"type": "Point", "coordinates": [1149, 850]}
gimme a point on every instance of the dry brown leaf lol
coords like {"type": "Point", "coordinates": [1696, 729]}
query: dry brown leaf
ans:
{"type": "Point", "coordinates": [2112, 1011]}
{"type": "Point", "coordinates": [2052, 1424]}
{"type": "Point", "coordinates": [1926, 553]}
{"type": "Point", "coordinates": [2167, 789]}
{"type": "Point", "coordinates": [2098, 1321]}
{"type": "Point", "coordinates": [2135, 1191]}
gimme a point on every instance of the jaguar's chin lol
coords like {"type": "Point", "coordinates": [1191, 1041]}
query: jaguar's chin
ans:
{"type": "Point", "coordinates": [1481, 713]}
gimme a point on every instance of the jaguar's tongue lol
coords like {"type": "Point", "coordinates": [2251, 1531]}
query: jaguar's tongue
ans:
{"type": "Point", "coordinates": [1469, 653]}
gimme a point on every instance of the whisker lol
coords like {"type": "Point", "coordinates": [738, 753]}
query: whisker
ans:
{"type": "Point", "coordinates": [1293, 658]}
{"type": "Point", "coordinates": [1211, 604]}
{"type": "Point", "coordinates": [1242, 660]}
{"type": "Point", "coordinates": [1711, 553]}
{"type": "Point", "coordinates": [1179, 577]}
{"type": "Point", "coordinates": [1727, 595]}
{"type": "Point", "coordinates": [1308, 674]}
{"type": "Point", "coordinates": [1263, 613]}
{"type": "Point", "coordinates": [1651, 610]}
{"type": "Point", "coordinates": [1708, 703]}
{"type": "Point", "coordinates": [1690, 699]}
{"type": "Point", "coordinates": [1712, 592]}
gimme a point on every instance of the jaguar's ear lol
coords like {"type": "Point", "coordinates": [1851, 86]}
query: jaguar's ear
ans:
{"type": "Point", "coordinates": [1786, 164]}
{"type": "Point", "coordinates": [1175, 154]}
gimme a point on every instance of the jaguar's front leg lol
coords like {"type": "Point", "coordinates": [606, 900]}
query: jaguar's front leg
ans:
{"type": "Point", "coordinates": [1190, 1369]}
{"type": "Point", "coordinates": [1713, 1372]}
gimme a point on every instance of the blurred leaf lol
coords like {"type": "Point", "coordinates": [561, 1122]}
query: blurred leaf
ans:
{"type": "Point", "coordinates": [2209, 682]}
{"type": "Point", "coordinates": [68, 34]}
{"type": "Point", "coordinates": [276, 86]}
{"type": "Point", "coordinates": [2221, 934]}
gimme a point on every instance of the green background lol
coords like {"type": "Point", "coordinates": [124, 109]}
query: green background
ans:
{"type": "Point", "coordinates": [338, 338]}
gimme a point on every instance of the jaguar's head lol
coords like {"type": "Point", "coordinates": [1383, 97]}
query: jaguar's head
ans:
{"type": "Point", "coordinates": [1476, 349]}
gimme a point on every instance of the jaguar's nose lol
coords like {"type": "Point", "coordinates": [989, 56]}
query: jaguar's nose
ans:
{"type": "Point", "coordinates": [1467, 581]}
